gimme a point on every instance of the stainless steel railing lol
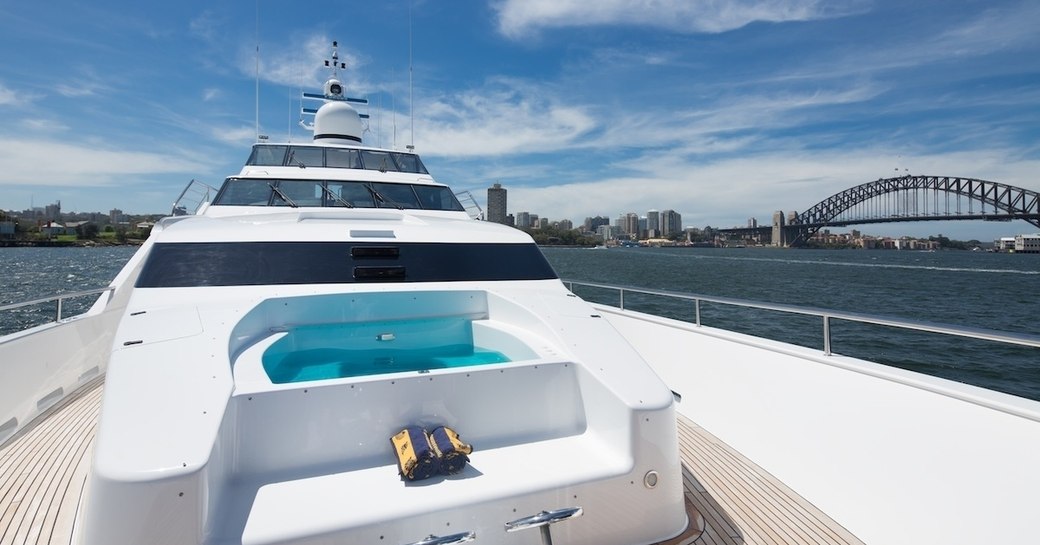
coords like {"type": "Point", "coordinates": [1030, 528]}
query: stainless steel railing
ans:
{"type": "Point", "coordinates": [58, 300]}
{"type": "Point", "coordinates": [824, 314]}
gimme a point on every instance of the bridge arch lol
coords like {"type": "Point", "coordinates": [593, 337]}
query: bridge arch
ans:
{"type": "Point", "coordinates": [915, 198]}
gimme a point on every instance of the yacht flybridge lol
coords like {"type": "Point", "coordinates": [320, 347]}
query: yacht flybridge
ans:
{"type": "Point", "coordinates": [250, 374]}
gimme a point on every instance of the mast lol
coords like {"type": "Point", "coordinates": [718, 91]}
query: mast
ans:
{"type": "Point", "coordinates": [411, 116]}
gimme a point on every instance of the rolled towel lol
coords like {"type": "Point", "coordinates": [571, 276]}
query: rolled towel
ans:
{"type": "Point", "coordinates": [451, 451]}
{"type": "Point", "coordinates": [416, 459]}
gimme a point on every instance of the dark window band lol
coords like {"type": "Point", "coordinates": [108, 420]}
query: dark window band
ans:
{"type": "Point", "coordinates": [192, 264]}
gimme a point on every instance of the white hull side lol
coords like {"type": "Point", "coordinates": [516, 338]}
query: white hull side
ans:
{"type": "Point", "coordinates": [43, 365]}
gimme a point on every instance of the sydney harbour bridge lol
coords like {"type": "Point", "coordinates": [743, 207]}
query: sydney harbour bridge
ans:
{"type": "Point", "coordinates": [902, 199]}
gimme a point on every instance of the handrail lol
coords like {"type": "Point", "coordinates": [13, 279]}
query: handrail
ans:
{"type": "Point", "coordinates": [827, 315]}
{"type": "Point", "coordinates": [58, 299]}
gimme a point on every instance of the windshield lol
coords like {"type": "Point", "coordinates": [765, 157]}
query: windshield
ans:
{"type": "Point", "coordinates": [330, 193]}
{"type": "Point", "coordinates": [319, 156]}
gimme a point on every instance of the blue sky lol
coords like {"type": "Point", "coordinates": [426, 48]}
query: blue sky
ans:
{"type": "Point", "coordinates": [719, 110]}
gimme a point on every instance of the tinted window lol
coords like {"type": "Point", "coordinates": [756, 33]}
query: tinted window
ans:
{"type": "Point", "coordinates": [300, 192]}
{"type": "Point", "coordinates": [307, 156]}
{"type": "Point", "coordinates": [267, 156]}
{"type": "Point", "coordinates": [342, 158]}
{"type": "Point", "coordinates": [396, 196]}
{"type": "Point", "coordinates": [182, 264]}
{"type": "Point", "coordinates": [244, 193]}
{"type": "Point", "coordinates": [433, 197]}
{"type": "Point", "coordinates": [250, 192]}
{"type": "Point", "coordinates": [377, 160]}
{"type": "Point", "coordinates": [409, 163]}
{"type": "Point", "coordinates": [353, 193]}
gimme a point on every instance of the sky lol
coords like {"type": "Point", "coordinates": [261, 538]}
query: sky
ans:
{"type": "Point", "coordinates": [720, 110]}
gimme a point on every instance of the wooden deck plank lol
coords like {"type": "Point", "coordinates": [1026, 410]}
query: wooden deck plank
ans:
{"type": "Point", "coordinates": [749, 505]}
{"type": "Point", "coordinates": [44, 468]}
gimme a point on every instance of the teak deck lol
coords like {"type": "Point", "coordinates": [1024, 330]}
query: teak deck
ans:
{"type": "Point", "coordinates": [43, 470]}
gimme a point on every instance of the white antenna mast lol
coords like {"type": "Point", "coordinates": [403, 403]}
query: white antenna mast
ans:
{"type": "Point", "coordinates": [257, 78]}
{"type": "Point", "coordinates": [411, 114]}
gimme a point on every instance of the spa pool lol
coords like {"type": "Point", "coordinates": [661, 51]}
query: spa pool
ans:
{"type": "Point", "coordinates": [327, 351]}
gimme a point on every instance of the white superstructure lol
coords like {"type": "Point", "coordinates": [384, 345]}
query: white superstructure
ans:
{"type": "Point", "coordinates": [331, 295]}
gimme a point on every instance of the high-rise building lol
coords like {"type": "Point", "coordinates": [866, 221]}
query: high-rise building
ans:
{"type": "Point", "coordinates": [496, 199]}
{"type": "Point", "coordinates": [592, 224]}
{"type": "Point", "coordinates": [53, 211]}
{"type": "Point", "coordinates": [523, 220]}
{"type": "Point", "coordinates": [653, 221]}
{"type": "Point", "coordinates": [630, 224]}
{"type": "Point", "coordinates": [671, 223]}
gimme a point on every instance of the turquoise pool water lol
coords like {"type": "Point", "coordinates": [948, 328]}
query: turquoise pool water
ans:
{"type": "Point", "coordinates": [374, 348]}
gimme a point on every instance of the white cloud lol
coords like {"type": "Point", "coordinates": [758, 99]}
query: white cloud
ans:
{"type": "Point", "coordinates": [996, 29]}
{"type": "Point", "coordinates": [302, 65]}
{"type": "Point", "coordinates": [507, 117]}
{"type": "Point", "coordinates": [206, 25]}
{"type": "Point", "coordinates": [210, 94]}
{"type": "Point", "coordinates": [53, 162]}
{"type": "Point", "coordinates": [518, 18]}
{"type": "Point", "coordinates": [9, 97]}
{"type": "Point", "coordinates": [43, 125]}
{"type": "Point", "coordinates": [238, 136]}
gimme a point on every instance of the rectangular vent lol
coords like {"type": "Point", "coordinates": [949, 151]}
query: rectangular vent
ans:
{"type": "Point", "coordinates": [377, 274]}
{"type": "Point", "coordinates": [375, 252]}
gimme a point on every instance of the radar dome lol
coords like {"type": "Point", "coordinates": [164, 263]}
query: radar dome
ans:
{"type": "Point", "coordinates": [337, 122]}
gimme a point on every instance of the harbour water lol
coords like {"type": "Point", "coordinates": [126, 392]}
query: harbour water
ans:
{"type": "Point", "coordinates": [975, 289]}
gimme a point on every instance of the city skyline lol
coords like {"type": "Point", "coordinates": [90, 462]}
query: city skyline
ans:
{"type": "Point", "coordinates": [623, 221]}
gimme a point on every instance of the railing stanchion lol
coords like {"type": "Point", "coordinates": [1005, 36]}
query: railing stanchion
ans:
{"type": "Point", "coordinates": [826, 335]}
{"type": "Point", "coordinates": [697, 309]}
{"type": "Point", "coordinates": [622, 304]}
{"type": "Point", "coordinates": [57, 310]}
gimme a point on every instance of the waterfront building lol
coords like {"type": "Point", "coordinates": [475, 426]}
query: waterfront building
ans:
{"type": "Point", "coordinates": [630, 224]}
{"type": "Point", "coordinates": [1027, 244]}
{"type": "Point", "coordinates": [671, 223]}
{"type": "Point", "coordinates": [1004, 244]}
{"type": "Point", "coordinates": [653, 222]}
{"type": "Point", "coordinates": [53, 212]}
{"type": "Point", "coordinates": [496, 199]}
{"type": "Point", "coordinates": [592, 225]}
{"type": "Point", "coordinates": [523, 220]}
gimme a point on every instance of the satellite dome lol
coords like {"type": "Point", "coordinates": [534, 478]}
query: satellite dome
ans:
{"type": "Point", "coordinates": [337, 122]}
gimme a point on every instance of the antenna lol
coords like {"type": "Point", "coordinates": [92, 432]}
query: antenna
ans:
{"type": "Point", "coordinates": [411, 114]}
{"type": "Point", "coordinates": [257, 78]}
